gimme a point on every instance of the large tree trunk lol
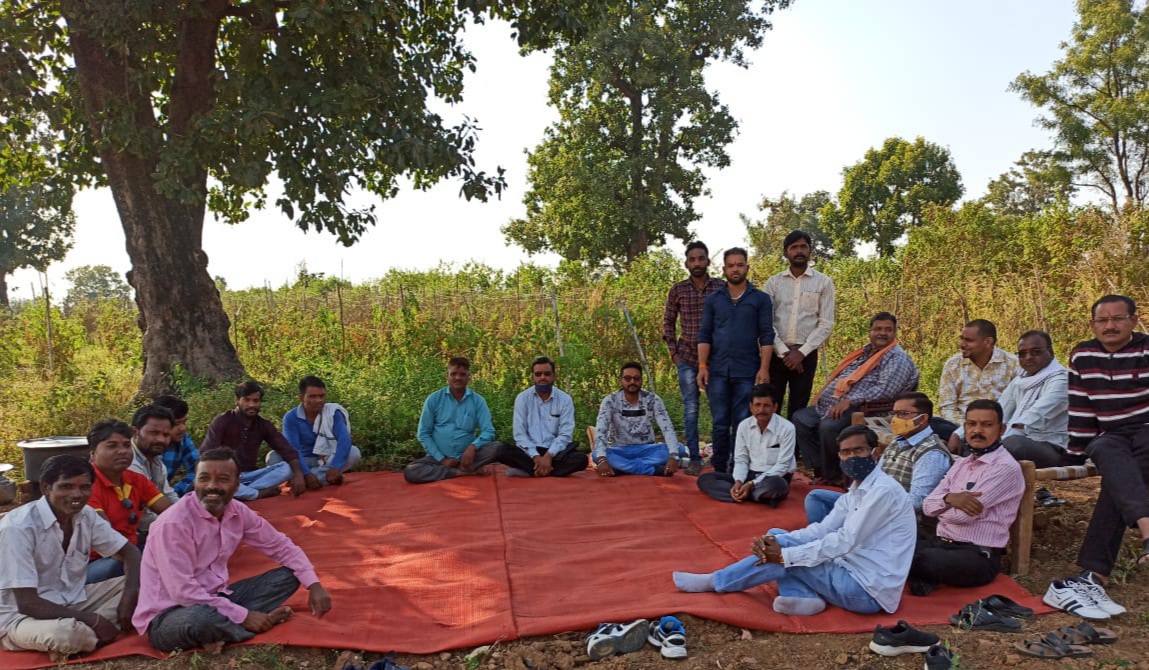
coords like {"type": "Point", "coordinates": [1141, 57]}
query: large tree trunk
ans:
{"type": "Point", "coordinates": [181, 314]}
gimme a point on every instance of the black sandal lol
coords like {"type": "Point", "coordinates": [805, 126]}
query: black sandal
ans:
{"type": "Point", "coordinates": [979, 617]}
{"type": "Point", "coordinates": [1144, 557]}
{"type": "Point", "coordinates": [999, 604]}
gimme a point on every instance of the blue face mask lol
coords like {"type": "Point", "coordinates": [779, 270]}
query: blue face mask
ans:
{"type": "Point", "coordinates": [544, 388]}
{"type": "Point", "coordinates": [858, 467]}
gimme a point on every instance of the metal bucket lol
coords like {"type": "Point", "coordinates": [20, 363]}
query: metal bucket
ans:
{"type": "Point", "coordinates": [7, 486]}
{"type": "Point", "coordinates": [40, 449]}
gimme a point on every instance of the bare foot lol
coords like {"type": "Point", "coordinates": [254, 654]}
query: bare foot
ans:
{"type": "Point", "coordinates": [280, 614]}
{"type": "Point", "coordinates": [269, 492]}
{"type": "Point", "coordinates": [214, 648]}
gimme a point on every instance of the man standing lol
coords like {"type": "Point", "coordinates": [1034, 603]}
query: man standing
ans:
{"type": "Point", "coordinates": [244, 430]}
{"type": "Point", "coordinates": [119, 495]}
{"type": "Point", "coordinates": [980, 370]}
{"type": "Point", "coordinates": [624, 438]}
{"type": "Point", "coordinates": [544, 426]}
{"type": "Point", "coordinates": [763, 456]}
{"type": "Point", "coordinates": [878, 372]}
{"type": "Point", "coordinates": [44, 546]}
{"type": "Point", "coordinates": [321, 432]}
{"type": "Point", "coordinates": [854, 559]}
{"type": "Point", "coordinates": [735, 345]}
{"type": "Point", "coordinates": [1036, 406]}
{"type": "Point", "coordinates": [1109, 420]}
{"type": "Point", "coordinates": [185, 599]}
{"type": "Point", "coordinates": [803, 301]}
{"type": "Point", "coordinates": [455, 429]}
{"type": "Point", "coordinates": [180, 456]}
{"type": "Point", "coordinates": [975, 504]}
{"type": "Point", "coordinates": [684, 304]}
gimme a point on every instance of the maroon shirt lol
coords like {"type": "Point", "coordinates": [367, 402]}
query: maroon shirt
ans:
{"type": "Point", "coordinates": [684, 305]}
{"type": "Point", "coordinates": [230, 429]}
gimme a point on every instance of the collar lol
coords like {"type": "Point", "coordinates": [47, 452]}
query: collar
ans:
{"type": "Point", "coordinates": [915, 439]}
{"type": "Point", "coordinates": [870, 481]}
{"type": "Point", "coordinates": [809, 272]}
{"type": "Point", "coordinates": [202, 513]}
{"type": "Point", "coordinates": [300, 413]}
{"type": "Point", "coordinates": [992, 456]}
{"type": "Point", "coordinates": [139, 455]}
{"type": "Point", "coordinates": [770, 425]}
{"type": "Point", "coordinates": [47, 516]}
{"type": "Point", "coordinates": [998, 357]}
{"type": "Point", "coordinates": [467, 393]}
{"type": "Point", "coordinates": [749, 288]}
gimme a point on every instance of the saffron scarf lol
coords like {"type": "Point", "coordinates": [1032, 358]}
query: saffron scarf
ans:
{"type": "Point", "coordinates": [842, 386]}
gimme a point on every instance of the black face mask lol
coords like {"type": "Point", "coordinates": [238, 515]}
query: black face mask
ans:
{"type": "Point", "coordinates": [983, 452]}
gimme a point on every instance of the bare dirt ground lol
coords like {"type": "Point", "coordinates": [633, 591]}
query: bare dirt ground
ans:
{"type": "Point", "coordinates": [1057, 533]}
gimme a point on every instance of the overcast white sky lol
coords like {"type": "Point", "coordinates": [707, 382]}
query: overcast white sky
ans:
{"type": "Point", "coordinates": [834, 78]}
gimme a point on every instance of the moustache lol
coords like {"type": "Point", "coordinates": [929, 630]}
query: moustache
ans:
{"type": "Point", "coordinates": [1111, 332]}
{"type": "Point", "coordinates": [977, 436]}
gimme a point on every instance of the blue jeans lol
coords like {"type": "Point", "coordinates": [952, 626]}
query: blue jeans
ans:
{"type": "Point", "coordinates": [729, 399]}
{"type": "Point", "coordinates": [638, 459]}
{"type": "Point", "coordinates": [688, 385]}
{"type": "Point", "coordinates": [251, 483]}
{"type": "Point", "coordinates": [319, 468]}
{"type": "Point", "coordinates": [819, 502]}
{"type": "Point", "coordinates": [828, 581]}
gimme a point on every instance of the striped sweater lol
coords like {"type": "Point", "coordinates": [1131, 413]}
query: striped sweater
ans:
{"type": "Point", "coordinates": [1107, 390]}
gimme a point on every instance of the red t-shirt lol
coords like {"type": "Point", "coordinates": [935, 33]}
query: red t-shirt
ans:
{"type": "Point", "coordinates": [107, 498]}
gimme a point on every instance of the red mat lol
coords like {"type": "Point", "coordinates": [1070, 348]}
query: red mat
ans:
{"type": "Point", "coordinates": [421, 569]}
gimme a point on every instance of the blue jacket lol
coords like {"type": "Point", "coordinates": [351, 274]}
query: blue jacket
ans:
{"type": "Point", "coordinates": [735, 331]}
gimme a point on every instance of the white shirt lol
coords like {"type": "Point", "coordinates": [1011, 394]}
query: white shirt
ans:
{"type": "Point", "coordinates": [769, 452]}
{"type": "Point", "coordinates": [871, 532]}
{"type": "Point", "coordinates": [1046, 419]}
{"type": "Point", "coordinates": [32, 555]}
{"type": "Point", "coordinates": [803, 310]}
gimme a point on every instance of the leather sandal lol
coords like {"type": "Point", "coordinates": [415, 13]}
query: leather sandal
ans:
{"type": "Point", "coordinates": [1085, 634]}
{"type": "Point", "coordinates": [1052, 646]}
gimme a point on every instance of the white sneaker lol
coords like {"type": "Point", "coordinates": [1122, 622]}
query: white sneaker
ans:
{"type": "Point", "coordinates": [1074, 597]}
{"type": "Point", "coordinates": [613, 638]}
{"type": "Point", "coordinates": [1100, 597]}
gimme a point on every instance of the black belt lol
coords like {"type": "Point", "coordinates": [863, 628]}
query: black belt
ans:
{"type": "Point", "coordinates": [988, 552]}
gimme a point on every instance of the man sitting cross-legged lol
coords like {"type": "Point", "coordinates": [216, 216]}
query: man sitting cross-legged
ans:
{"type": "Point", "coordinates": [763, 455]}
{"type": "Point", "coordinates": [975, 503]}
{"type": "Point", "coordinates": [878, 372]}
{"type": "Point", "coordinates": [544, 427]}
{"type": "Point", "coordinates": [917, 459]}
{"type": "Point", "coordinates": [118, 495]}
{"type": "Point", "coordinates": [243, 430]}
{"type": "Point", "coordinates": [448, 425]}
{"type": "Point", "coordinates": [44, 545]}
{"type": "Point", "coordinates": [321, 432]}
{"type": "Point", "coordinates": [185, 598]}
{"type": "Point", "coordinates": [624, 437]}
{"type": "Point", "coordinates": [855, 558]}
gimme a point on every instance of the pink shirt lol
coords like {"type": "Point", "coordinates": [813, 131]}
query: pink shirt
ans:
{"type": "Point", "coordinates": [185, 562]}
{"type": "Point", "coordinates": [998, 477]}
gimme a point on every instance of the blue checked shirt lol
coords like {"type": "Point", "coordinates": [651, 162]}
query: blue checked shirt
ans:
{"type": "Point", "coordinates": [183, 456]}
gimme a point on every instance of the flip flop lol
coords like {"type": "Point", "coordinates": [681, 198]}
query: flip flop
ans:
{"type": "Point", "coordinates": [999, 604]}
{"type": "Point", "coordinates": [1051, 646]}
{"type": "Point", "coordinates": [1144, 557]}
{"type": "Point", "coordinates": [1084, 634]}
{"type": "Point", "coordinates": [1045, 498]}
{"type": "Point", "coordinates": [979, 617]}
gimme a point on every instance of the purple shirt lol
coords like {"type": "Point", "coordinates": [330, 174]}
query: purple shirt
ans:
{"type": "Point", "coordinates": [186, 559]}
{"type": "Point", "coordinates": [998, 477]}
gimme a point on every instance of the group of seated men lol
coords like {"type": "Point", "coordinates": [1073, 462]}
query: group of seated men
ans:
{"type": "Point", "coordinates": [72, 577]}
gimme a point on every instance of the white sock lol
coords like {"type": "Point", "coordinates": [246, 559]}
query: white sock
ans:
{"type": "Point", "coordinates": [694, 583]}
{"type": "Point", "coordinates": [799, 606]}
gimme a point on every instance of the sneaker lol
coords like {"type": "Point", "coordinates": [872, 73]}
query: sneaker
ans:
{"type": "Point", "coordinates": [1074, 597]}
{"type": "Point", "coordinates": [616, 638]}
{"type": "Point", "coordinates": [939, 658]}
{"type": "Point", "coordinates": [901, 639]}
{"type": "Point", "coordinates": [1097, 592]}
{"type": "Point", "coordinates": [669, 635]}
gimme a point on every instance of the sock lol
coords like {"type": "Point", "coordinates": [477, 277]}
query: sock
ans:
{"type": "Point", "coordinates": [799, 606]}
{"type": "Point", "coordinates": [693, 582]}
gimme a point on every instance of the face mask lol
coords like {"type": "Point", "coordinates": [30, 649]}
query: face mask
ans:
{"type": "Point", "coordinates": [903, 427]}
{"type": "Point", "coordinates": [544, 388]}
{"type": "Point", "coordinates": [983, 452]}
{"type": "Point", "coordinates": [858, 467]}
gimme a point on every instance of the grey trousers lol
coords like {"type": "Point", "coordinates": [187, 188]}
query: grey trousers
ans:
{"type": "Point", "coordinates": [1043, 454]}
{"type": "Point", "coordinates": [192, 627]}
{"type": "Point", "coordinates": [717, 485]}
{"type": "Point", "coordinates": [428, 469]}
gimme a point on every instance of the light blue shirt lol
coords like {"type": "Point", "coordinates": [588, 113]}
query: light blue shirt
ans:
{"type": "Point", "coordinates": [542, 423]}
{"type": "Point", "coordinates": [928, 470]}
{"type": "Point", "coordinates": [448, 426]}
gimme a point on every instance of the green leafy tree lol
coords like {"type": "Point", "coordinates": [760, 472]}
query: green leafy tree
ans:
{"type": "Point", "coordinates": [785, 214]}
{"type": "Point", "coordinates": [1097, 100]}
{"type": "Point", "coordinates": [887, 192]}
{"type": "Point", "coordinates": [1036, 181]}
{"type": "Point", "coordinates": [91, 283]}
{"type": "Point", "coordinates": [181, 107]}
{"type": "Point", "coordinates": [621, 169]}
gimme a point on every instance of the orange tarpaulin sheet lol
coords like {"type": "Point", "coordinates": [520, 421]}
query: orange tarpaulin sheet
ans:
{"type": "Point", "coordinates": [420, 569]}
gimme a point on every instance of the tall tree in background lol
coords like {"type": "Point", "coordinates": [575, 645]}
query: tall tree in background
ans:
{"type": "Point", "coordinates": [181, 107]}
{"type": "Point", "coordinates": [621, 169]}
{"type": "Point", "coordinates": [1037, 180]}
{"type": "Point", "coordinates": [1097, 97]}
{"type": "Point", "coordinates": [888, 191]}
{"type": "Point", "coordinates": [94, 282]}
{"type": "Point", "coordinates": [785, 214]}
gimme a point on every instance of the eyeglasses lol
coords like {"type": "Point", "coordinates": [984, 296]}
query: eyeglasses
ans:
{"type": "Point", "coordinates": [905, 413]}
{"type": "Point", "coordinates": [1027, 353]}
{"type": "Point", "coordinates": [853, 453]}
{"type": "Point", "coordinates": [628, 378]}
{"type": "Point", "coordinates": [126, 503]}
{"type": "Point", "coordinates": [1115, 320]}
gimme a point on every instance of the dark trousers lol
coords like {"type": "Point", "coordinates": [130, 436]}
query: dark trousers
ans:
{"type": "Point", "coordinates": [717, 485]}
{"type": "Point", "coordinates": [818, 440]}
{"type": "Point", "coordinates": [1043, 454]}
{"type": "Point", "coordinates": [1122, 459]}
{"type": "Point", "coordinates": [800, 384]}
{"type": "Point", "coordinates": [954, 564]}
{"type": "Point", "coordinates": [565, 463]}
{"type": "Point", "coordinates": [192, 627]}
{"type": "Point", "coordinates": [729, 399]}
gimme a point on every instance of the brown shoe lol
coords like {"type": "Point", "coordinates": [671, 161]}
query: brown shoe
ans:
{"type": "Point", "coordinates": [694, 468]}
